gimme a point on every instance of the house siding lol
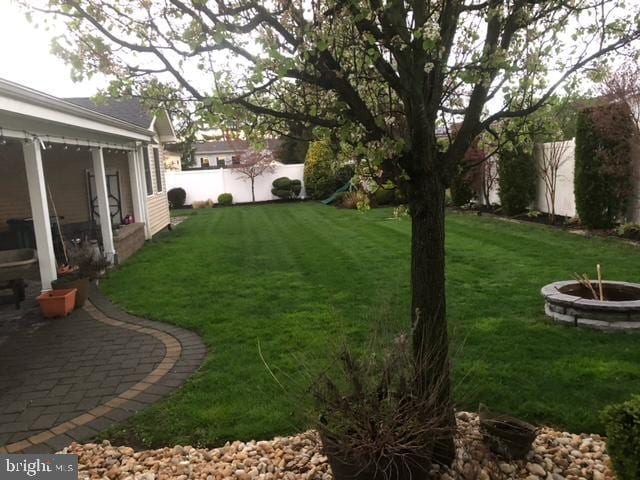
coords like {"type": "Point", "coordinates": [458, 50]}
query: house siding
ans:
{"type": "Point", "coordinates": [66, 177]}
{"type": "Point", "coordinates": [14, 196]}
{"type": "Point", "coordinates": [65, 173]}
{"type": "Point", "coordinates": [213, 158]}
{"type": "Point", "coordinates": [157, 203]}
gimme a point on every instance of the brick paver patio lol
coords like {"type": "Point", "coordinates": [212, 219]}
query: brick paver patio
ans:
{"type": "Point", "coordinates": [72, 377]}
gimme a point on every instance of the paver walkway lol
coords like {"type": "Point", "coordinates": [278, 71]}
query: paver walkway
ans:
{"type": "Point", "coordinates": [76, 376]}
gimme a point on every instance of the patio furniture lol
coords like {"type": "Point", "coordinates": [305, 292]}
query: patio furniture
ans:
{"type": "Point", "coordinates": [25, 236]}
{"type": "Point", "coordinates": [16, 266]}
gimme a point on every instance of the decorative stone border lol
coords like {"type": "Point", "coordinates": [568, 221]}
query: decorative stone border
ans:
{"type": "Point", "coordinates": [623, 316]}
{"type": "Point", "coordinates": [184, 353]}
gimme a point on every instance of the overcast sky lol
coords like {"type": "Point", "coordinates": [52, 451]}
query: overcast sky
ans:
{"type": "Point", "coordinates": [26, 57]}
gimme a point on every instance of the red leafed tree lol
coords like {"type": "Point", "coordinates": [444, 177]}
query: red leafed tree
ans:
{"type": "Point", "coordinates": [624, 86]}
{"type": "Point", "coordinates": [252, 164]}
{"type": "Point", "coordinates": [475, 157]}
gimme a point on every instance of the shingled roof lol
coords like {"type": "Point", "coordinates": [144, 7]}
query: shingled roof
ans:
{"type": "Point", "coordinates": [127, 109]}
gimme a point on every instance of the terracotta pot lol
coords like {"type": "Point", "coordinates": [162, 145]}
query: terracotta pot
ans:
{"type": "Point", "coordinates": [80, 284]}
{"type": "Point", "coordinates": [57, 303]}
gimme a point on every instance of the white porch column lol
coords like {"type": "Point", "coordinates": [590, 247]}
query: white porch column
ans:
{"type": "Point", "coordinates": [40, 212]}
{"type": "Point", "coordinates": [103, 203]}
{"type": "Point", "coordinates": [143, 190]}
{"type": "Point", "coordinates": [136, 191]}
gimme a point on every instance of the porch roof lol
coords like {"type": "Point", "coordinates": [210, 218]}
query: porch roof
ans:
{"type": "Point", "coordinates": [23, 109]}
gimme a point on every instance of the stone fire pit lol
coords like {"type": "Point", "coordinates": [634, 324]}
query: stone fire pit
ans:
{"type": "Point", "coordinates": [570, 303]}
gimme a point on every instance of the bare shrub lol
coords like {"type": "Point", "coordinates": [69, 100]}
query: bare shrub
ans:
{"type": "Point", "coordinates": [376, 420]}
{"type": "Point", "coordinates": [552, 157]}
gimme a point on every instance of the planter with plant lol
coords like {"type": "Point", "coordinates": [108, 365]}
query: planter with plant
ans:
{"type": "Point", "coordinates": [74, 280]}
{"type": "Point", "coordinates": [506, 436]}
{"type": "Point", "coordinates": [376, 422]}
{"type": "Point", "coordinates": [87, 267]}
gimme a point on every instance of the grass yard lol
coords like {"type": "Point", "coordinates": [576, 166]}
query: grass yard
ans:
{"type": "Point", "coordinates": [293, 279]}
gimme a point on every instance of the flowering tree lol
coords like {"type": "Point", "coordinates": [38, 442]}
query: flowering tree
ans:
{"type": "Point", "coordinates": [378, 75]}
{"type": "Point", "coordinates": [253, 164]}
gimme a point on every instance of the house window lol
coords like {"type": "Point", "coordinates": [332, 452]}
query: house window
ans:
{"type": "Point", "coordinates": [235, 160]}
{"type": "Point", "coordinates": [156, 164]}
{"type": "Point", "coordinates": [147, 170]}
{"type": "Point", "coordinates": [220, 162]}
{"type": "Point", "coordinates": [204, 162]}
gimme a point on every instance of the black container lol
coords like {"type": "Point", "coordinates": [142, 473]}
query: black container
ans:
{"type": "Point", "coordinates": [507, 436]}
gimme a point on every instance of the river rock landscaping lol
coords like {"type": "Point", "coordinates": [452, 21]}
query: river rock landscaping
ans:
{"type": "Point", "coordinates": [555, 456]}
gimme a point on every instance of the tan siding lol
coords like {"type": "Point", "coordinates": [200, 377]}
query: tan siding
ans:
{"type": "Point", "coordinates": [66, 177]}
{"type": "Point", "coordinates": [14, 196]}
{"type": "Point", "coordinates": [158, 208]}
{"type": "Point", "coordinates": [65, 173]}
{"type": "Point", "coordinates": [157, 204]}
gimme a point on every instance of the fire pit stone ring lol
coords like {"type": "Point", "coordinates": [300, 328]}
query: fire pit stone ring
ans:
{"type": "Point", "coordinates": [570, 303]}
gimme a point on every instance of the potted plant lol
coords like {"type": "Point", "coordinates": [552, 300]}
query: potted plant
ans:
{"type": "Point", "coordinates": [506, 436]}
{"type": "Point", "coordinates": [374, 423]}
{"type": "Point", "coordinates": [57, 303]}
{"type": "Point", "coordinates": [74, 280]}
{"type": "Point", "coordinates": [87, 267]}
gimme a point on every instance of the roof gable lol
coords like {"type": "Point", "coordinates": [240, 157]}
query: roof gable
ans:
{"type": "Point", "coordinates": [127, 109]}
{"type": "Point", "coordinates": [40, 113]}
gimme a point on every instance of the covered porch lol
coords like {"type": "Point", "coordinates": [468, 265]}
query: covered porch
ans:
{"type": "Point", "coordinates": [69, 173]}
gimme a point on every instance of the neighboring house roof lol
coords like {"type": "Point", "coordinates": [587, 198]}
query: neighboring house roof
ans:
{"type": "Point", "coordinates": [232, 146]}
{"type": "Point", "coordinates": [130, 110]}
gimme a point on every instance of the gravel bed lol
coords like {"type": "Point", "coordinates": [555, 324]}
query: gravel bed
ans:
{"type": "Point", "coordinates": [555, 456]}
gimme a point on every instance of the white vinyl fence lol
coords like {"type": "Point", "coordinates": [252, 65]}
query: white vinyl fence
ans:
{"type": "Point", "coordinates": [202, 185]}
{"type": "Point", "coordinates": [565, 200]}
{"type": "Point", "coordinates": [561, 154]}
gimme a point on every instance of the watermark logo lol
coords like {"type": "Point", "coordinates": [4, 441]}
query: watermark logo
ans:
{"type": "Point", "coordinates": [38, 467]}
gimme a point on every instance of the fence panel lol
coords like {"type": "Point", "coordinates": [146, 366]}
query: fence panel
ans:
{"type": "Point", "coordinates": [202, 185]}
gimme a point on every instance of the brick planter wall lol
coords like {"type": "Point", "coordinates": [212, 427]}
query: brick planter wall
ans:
{"type": "Point", "coordinates": [129, 239]}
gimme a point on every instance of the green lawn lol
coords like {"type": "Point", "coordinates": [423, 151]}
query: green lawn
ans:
{"type": "Point", "coordinates": [294, 279]}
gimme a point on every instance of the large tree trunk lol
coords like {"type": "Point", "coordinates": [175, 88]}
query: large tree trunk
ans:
{"type": "Point", "coordinates": [253, 194]}
{"type": "Point", "coordinates": [428, 304]}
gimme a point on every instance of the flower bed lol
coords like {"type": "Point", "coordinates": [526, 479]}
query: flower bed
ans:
{"type": "Point", "coordinates": [555, 456]}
